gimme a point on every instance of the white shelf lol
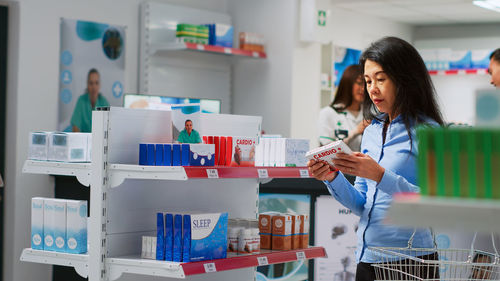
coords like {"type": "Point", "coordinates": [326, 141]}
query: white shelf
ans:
{"type": "Point", "coordinates": [120, 172]}
{"type": "Point", "coordinates": [326, 89]}
{"type": "Point", "coordinates": [78, 261]}
{"type": "Point", "coordinates": [133, 264]}
{"type": "Point", "coordinates": [206, 49]}
{"type": "Point", "coordinates": [80, 170]}
{"type": "Point", "coordinates": [450, 213]}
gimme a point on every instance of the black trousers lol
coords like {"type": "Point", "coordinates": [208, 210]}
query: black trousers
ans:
{"type": "Point", "coordinates": [366, 272]}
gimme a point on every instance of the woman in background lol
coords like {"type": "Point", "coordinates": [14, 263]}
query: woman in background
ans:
{"type": "Point", "coordinates": [343, 118]}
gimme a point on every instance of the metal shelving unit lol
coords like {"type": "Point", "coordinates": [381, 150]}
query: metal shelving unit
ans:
{"type": "Point", "coordinates": [119, 217]}
{"type": "Point", "coordinates": [80, 170]}
{"type": "Point", "coordinates": [79, 262]}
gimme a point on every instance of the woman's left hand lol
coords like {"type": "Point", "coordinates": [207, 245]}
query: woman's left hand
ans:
{"type": "Point", "coordinates": [360, 165]}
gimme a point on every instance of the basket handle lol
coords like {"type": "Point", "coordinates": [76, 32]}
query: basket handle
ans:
{"type": "Point", "coordinates": [497, 258]}
{"type": "Point", "coordinates": [410, 241]}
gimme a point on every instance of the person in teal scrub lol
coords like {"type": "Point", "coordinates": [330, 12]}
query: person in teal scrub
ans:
{"type": "Point", "coordinates": [189, 135]}
{"type": "Point", "coordinates": [81, 121]}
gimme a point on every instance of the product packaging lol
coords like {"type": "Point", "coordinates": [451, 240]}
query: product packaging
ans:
{"type": "Point", "coordinates": [39, 146]}
{"type": "Point", "coordinates": [167, 154]}
{"type": "Point", "coordinates": [281, 232]}
{"type": "Point", "coordinates": [151, 154]}
{"type": "Point", "coordinates": [176, 154]}
{"type": "Point", "coordinates": [69, 147]}
{"type": "Point", "coordinates": [177, 249]}
{"type": "Point", "coordinates": [159, 155]}
{"type": "Point", "coordinates": [37, 223]}
{"type": "Point", "coordinates": [304, 231]}
{"type": "Point", "coordinates": [208, 236]}
{"type": "Point", "coordinates": [160, 237]}
{"type": "Point", "coordinates": [202, 155]}
{"type": "Point", "coordinates": [169, 237]}
{"type": "Point", "coordinates": [185, 154]}
{"type": "Point", "coordinates": [328, 152]}
{"type": "Point", "coordinates": [76, 226]}
{"type": "Point", "coordinates": [243, 149]}
{"type": "Point", "coordinates": [54, 224]}
{"type": "Point", "coordinates": [143, 154]}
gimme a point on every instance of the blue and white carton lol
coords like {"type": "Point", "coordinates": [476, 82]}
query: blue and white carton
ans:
{"type": "Point", "coordinates": [76, 226]}
{"type": "Point", "coordinates": [54, 224]}
{"type": "Point", "coordinates": [202, 155]}
{"type": "Point", "coordinates": [208, 237]}
{"type": "Point", "coordinates": [69, 147]}
{"type": "Point", "coordinates": [37, 223]}
{"type": "Point", "coordinates": [39, 146]}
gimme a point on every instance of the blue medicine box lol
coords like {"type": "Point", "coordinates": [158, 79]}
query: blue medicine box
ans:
{"type": "Point", "coordinates": [167, 154]}
{"type": "Point", "coordinates": [159, 155]}
{"type": "Point", "coordinates": [151, 154]}
{"type": "Point", "coordinates": [176, 154]}
{"type": "Point", "coordinates": [143, 154]}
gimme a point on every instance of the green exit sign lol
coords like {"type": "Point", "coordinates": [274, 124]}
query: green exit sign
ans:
{"type": "Point", "coordinates": [321, 18]}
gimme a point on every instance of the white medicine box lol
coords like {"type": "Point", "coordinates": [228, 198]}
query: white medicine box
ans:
{"type": "Point", "coordinates": [39, 146]}
{"type": "Point", "coordinates": [69, 147]}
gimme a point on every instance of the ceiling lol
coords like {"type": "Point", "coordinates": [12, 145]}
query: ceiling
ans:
{"type": "Point", "coordinates": [422, 12]}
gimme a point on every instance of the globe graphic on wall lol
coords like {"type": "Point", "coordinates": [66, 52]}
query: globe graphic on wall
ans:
{"type": "Point", "coordinates": [112, 43]}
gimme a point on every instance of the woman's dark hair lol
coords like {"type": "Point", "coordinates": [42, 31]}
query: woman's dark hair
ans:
{"type": "Point", "coordinates": [495, 55]}
{"type": "Point", "coordinates": [415, 95]}
{"type": "Point", "coordinates": [92, 70]}
{"type": "Point", "coordinates": [343, 96]}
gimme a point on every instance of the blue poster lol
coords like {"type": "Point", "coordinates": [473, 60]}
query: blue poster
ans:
{"type": "Point", "coordinates": [343, 58]}
{"type": "Point", "coordinates": [92, 69]}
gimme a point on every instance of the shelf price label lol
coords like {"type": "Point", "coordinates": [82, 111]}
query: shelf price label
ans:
{"type": "Point", "coordinates": [263, 173]}
{"type": "Point", "coordinates": [200, 47]}
{"type": "Point", "coordinates": [255, 54]}
{"type": "Point", "coordinates": [301, 256]}
{"type": "Point", "coordinates": [262, 261]}
{"type": "Point", "coordinates": [227, 51]}
{"type": "Point", "coordinates": [304, 173]}
{"type": "Point", "coordinates": [209, 267]}
{"type": "Point", "coordinates": [212, 174]}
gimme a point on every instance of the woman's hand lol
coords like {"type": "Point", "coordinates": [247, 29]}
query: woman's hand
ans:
{"type": "Point", "coordinates": [359, 164]}
{"type": "Point", "coordinates": [320, 170]}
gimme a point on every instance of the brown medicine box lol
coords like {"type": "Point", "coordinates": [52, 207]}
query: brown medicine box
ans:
{"type": "Point", "coordinates": [265, 230]}
{"type": "Point", "coordinates": [304, 231]}
{"type": "Point", "coordinates": [282, 232]}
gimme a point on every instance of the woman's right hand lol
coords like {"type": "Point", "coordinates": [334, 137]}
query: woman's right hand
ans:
{"type": "Point", "coordinates": [320, 170]}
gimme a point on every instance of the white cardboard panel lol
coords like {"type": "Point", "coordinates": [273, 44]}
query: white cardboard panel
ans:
{"type": "Point", "coordinates": [129, 127]}
{"type": "Point", "coordinates": [230, 125]}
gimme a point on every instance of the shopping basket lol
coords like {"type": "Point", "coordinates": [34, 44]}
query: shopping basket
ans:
{"type": "Point", "coordinates": [435, 264]}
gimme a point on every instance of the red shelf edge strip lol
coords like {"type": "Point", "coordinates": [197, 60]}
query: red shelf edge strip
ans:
{"type": "Point", "coordinates": [244, 172]}
{"type": "Point", "coordinates": [224, 50]}
{"type": "Point", "coordinates": [238, 262]}
{"type": "Point", "coordinates": [458, 71]}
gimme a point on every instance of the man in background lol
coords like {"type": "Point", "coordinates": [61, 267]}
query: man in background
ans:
{"type": "Point", "coordinates": [494, 68]}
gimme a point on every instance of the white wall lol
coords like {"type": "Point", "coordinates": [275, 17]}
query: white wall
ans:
{"type": "Point", "coordinates": [456, 93]}
{"type": "Point", "coordinates": [263, 87]}
{"type": "Point", "coordinates": [32, 98]}
{"type": "Point", "coordinates": [348, 29]}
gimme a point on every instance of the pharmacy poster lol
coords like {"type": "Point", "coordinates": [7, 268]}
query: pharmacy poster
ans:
{"type": "Point", "coordinates": [284, 203]}
{"type": "Point", "coordinates": [343, 58]}
{"type": "Point", "coordinates": [335, 229]}
{"type": "Point", "coordinates": [92, 68]}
